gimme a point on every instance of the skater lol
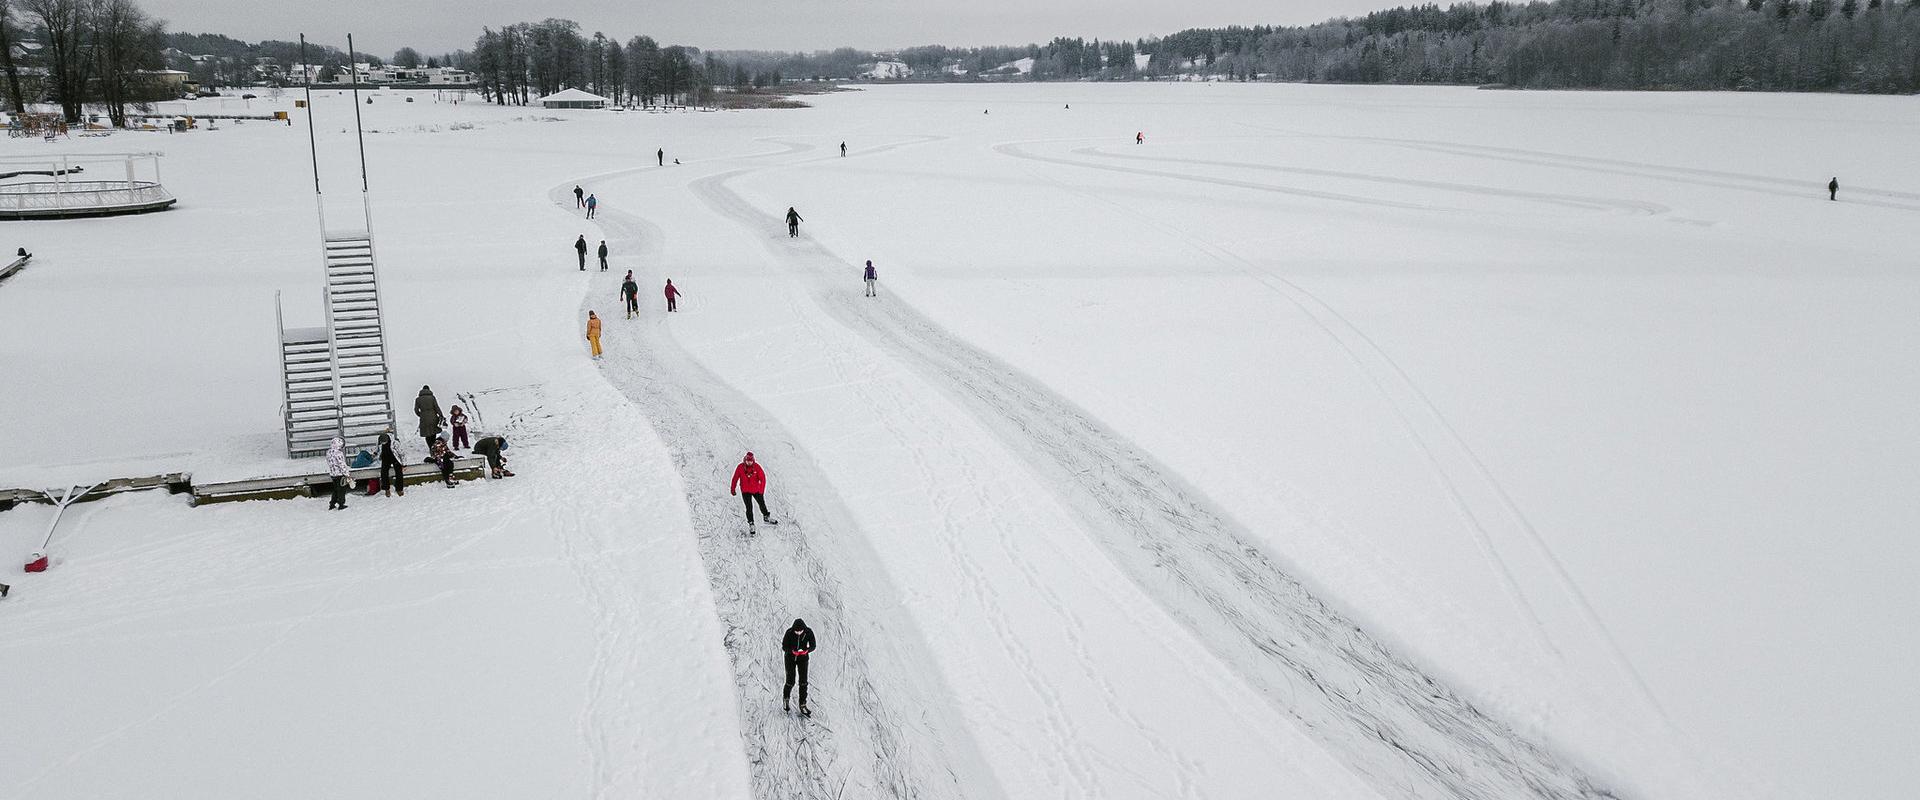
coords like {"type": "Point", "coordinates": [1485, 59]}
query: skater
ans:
{"type": "Point", "coordinates": [441, 456]}
{"type": "Point", "coordinates": [630, 292]}
{"type": "Point", "coordinates": [795, 645]}
{"type": "Point", "coordinates": [1140, 137]}
{"type": "Point", "coordinates": [871, 276]}
{"type": "Point", "coordinates": [603, 255]}
{"type": "Point", "coordinates": [593, 334]}
{"type": "Point", "coordinates": [843, 149]}
{"type": "Point", "coordinates": [751, 481]}
{"type": "Point", "coordinates": [459, 420]}
{"type": "Point", "coordinates": [579, 197]}
{"type": "Point", "coordinates": [662, 155]}
{"type": "Point", "coordinates": [580, 247]}
{"type": "Point", "coordinates": [427, 408]}
{"type": "Point", "coordinates": [392, 476]}
{"type": "Point", "coordinates": [592, 203]}
{"type": "Point", "coordinates": [793, 222]}
{"type": "Point", "coordinates": [1833, 188]}
{"type": "Point", "coordinates": [337, 470]}
{"type": "Point", "coordinates": [673, 295]}
{"type": "Point", "coordinates": [495, 449]}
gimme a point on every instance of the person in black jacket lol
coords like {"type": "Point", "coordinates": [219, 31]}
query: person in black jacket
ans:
{"type": "Point", "coordinates": [494, 448]}
{"type": "Point", "coordinates": [1833, 188]}
{"type": "Point", "coordinates": [796, 645]}
{"type": "Point", "coordinates": [630, 292]}
{"type": "Point", "coordinates": [392, 478]}
{"type": "Point", "coordinates": [580, 246]}
{"type": "Point", "coordinates": [579, 197]}
{"type": "Point", "coordinates": [793, 222]}
{"type": "Point", "coordinates": [603, 255]}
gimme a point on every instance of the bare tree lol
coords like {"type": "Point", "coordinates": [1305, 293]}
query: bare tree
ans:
{"type": "Point", "coordinates": [69, 38]}
{"type": "Point", "coordinates": [125, 44]}
{"type": "Point", "coordinates": [7, 38]}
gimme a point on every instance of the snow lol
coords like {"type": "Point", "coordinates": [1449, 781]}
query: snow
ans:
{"type": "Point", "coordinates": [1174, 469]}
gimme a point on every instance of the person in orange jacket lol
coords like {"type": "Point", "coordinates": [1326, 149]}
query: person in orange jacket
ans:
{"type": "Point", "coordinates": [750, 482]}
{"type": "Point", "coordinates": [593, 333]}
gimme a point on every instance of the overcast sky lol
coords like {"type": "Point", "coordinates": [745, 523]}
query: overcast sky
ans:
{"type": "Point", "coordinates": [436, 26]}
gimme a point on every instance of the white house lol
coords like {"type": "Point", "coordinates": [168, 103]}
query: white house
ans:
{"type": "Point", "coordinates": [573, 98]}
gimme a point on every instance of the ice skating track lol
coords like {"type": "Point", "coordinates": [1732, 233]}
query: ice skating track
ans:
{"type": "Point", "coordinates": [1377, 712]}
{"type": "Point", "coordinates": [883, 728]}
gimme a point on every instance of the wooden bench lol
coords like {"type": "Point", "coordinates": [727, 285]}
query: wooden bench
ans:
{"type": "Point", "coordinates": [318, 484]}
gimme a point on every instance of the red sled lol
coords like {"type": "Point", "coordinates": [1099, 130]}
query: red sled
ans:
{"type": "Point", "coordinates": [37, 562]}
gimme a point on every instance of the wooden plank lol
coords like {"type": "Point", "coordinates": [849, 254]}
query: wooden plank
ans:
{"type": "Point", "coordinates": [314, 484]}
{"type": "Point", "coordinates": [173, 482]}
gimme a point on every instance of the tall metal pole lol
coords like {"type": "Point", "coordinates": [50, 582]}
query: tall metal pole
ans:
{"type": "Point", "coordinates": [355, 67]}
{"type": "Point", "coordinates": [306, 79]}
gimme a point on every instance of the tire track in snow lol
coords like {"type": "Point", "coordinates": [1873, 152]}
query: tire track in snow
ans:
{"type": "Point", "coordinates": [884, 729]}
{"type": "Point", "coordinates": [1379, 714]}
{"type": "Point", "coordinates": [1571, 200]}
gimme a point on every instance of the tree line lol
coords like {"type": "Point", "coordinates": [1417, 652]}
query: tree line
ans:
{"type": "Point", "coordinates": [519, 62]}
{"type": "Point", "coordinates": [75, 52]}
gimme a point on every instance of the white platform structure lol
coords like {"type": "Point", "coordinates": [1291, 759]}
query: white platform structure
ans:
{"type": "Point", "coordinates": [334, 377]}
{"type": "Point", "coordinates": [56, 186]}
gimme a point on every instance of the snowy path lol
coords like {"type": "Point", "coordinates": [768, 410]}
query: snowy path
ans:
{"type": "Point", "coordinates": [1384, 718]}
{"type": "Point", "coordinates": [870, 737]}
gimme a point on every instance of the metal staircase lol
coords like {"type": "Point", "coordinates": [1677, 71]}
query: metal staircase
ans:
{"type": "Point", "coordinates": [335, 377]}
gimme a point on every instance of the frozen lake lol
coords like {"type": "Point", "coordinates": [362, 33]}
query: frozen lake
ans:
{"type": "Point", "coordinates": [1161, 469]}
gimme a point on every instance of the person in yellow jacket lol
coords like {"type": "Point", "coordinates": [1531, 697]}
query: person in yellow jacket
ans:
{"type": "Point", "coordinates": [593, 333]}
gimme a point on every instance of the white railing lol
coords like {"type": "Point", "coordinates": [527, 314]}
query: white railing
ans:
{"type": "Point", "coordinates": [55, 196]}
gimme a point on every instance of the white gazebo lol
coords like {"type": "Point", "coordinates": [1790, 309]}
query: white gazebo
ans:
{"type": "Point", "coordinates": [573, 98]}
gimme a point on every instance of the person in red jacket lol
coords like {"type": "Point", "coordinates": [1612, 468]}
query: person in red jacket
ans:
{"type": "Point", "coordinates": [750, 482]}
{"type": "Point", "coordinates": [673, 296]}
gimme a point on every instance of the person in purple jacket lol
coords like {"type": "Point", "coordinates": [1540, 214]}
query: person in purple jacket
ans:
{"type": "Point", "coordinates": [871, 275]}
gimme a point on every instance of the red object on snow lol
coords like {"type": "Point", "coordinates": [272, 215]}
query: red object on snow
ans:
{"type": "Point", "coordinates": [37, 562]}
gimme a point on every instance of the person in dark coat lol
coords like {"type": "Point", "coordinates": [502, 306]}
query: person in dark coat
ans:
{"type": "Point", "coordinates": [630, 292]}
{"type": "Point", "coordinates": [428, 410]}
{"type": "Point", "coordinates": [603, 255]}
{"type": "Point", "coordinates": [592, 203]}
{"type": "Point", "coordinates": [843, 149]}
{"type": "Point", "coordinates": [1833, 189]}
{"type": "Point", "coordinates": [579, 197]}
{"type": "Point", "coordinates": [494, 448]}
{"type": "Point", "coordinates": [795, 646]}
{"type": "Point", "coordinates": [793, 222]}
{"type": "Point", "coordinates": [661, 154]}
{"type": "Point", "coordinates": [580, 246]}
{"type": "Point", "coordinates": [392, 478]}
{"type": "Point", "coordinates": [870, 275]}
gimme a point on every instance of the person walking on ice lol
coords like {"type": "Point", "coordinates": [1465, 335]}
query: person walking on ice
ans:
{"type": "Point", "coordinates": [662, 155]}
{"type": "Point", "coordinates": [871, 275]}
{"type": "Point", "coordinates": [593, 334]}
{"type": "Point", "coordinates": [673, 296]}
{"type": "Point", "coordinates": [795, 645]}
{"type": "Point", "coordinates": [580, 247]}
{"type": "Point", "coordinates": [1140, 137]}
{"type": "Point", "coordinates": [592, 203]}
{"type": "Point", "coordinates": [750, 482]}
{"type": "Point", "coordinates": [579, 197]}
{"type": "Point", "coordinates": [603, 255]}
{"type": "Point", "coordinates": [1833, 189]}
{"type": "Point", "coordinates": [630, 292]}
{"type": "Point", "coordinates": [337, 470]}
{"type": "Point", "coordinates": [843, 149]}
{"type": "Point", "coordinates": [793, 223]}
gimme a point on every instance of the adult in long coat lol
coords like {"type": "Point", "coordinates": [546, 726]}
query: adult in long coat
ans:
{"type": "Point", "coordinates": [428, 410]}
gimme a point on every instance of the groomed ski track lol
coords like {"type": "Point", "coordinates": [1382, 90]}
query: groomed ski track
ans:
{"type": "Point", "coordinates": [882, 729]}
{"type": "Point", "coordinates": [1378, 713]}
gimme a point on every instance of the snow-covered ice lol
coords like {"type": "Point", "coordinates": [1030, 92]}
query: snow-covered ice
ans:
{"type": "Point", "coordinates": [1336, 442]}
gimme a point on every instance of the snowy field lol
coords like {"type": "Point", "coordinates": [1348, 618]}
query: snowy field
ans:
{"type": "Point", "coordinates": [1335, 442]}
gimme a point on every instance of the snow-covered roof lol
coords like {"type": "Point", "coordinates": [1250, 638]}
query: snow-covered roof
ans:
{"type": "Point", "coordinates": [572, 96]}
